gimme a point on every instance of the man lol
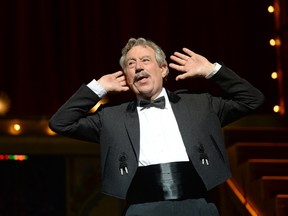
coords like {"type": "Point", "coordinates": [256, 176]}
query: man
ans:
{"type": "Point", "coordinates": [162, 157]}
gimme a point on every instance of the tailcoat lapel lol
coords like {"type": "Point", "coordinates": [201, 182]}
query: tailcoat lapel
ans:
{"type": "Point", "coordinates": [132, 127]}
{"type": "Point", "coordinates": [186, 122]}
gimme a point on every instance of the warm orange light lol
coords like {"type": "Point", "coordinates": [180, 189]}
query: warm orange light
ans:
{"type": "Point", "coordinates": [241, 198]}
{"type": "Point", "coordinates": [49, 131]}
{"type": "Point", "coordinates": [15, 129]}
{"type": "Point", "coordinates": [278, 42]}
{"type": "Point", "coordinates": [275, 42]}
{"type": "Point", "coordinates": [20, 157]}
{"type": "Point", "coordinates": [4, 103]}
{"type": "Point", "coordinates": [104, 100]}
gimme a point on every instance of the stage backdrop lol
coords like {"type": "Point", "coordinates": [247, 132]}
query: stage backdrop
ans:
{"type": "Point", "coordinates": [50, 47]}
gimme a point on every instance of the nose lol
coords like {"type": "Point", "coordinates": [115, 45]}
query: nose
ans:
{"type": "Point", "coordinates": [138, 70]}
{"type": "Point", "coordinates": [138, 67]}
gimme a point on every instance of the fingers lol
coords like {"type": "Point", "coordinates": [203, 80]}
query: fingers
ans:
{"type": "Point", "coordinates": [124, 85]}
{"type": "Point", "coordinates": [189, 52]}
{"type": "Point", "coordinates": [176, 67]}
{"type": "Point", "coordinates": [118, 74]}
{"type": "Point", "coordinates": [182, 56]}
{"type": "Point", "coordinates": [184, 63]}
{"type": "Point", "coordinates": [124, 88]}
{"type": "Point", "coordinates": [178, 58]}
{"type": "Point", "coordinates": [181, 77]}
{"type": "Point", "coordinates": [115, 82]}
{"type": "Point", "coordinates": [121, 80]}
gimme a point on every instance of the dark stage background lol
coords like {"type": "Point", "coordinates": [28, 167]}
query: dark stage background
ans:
{"type": "Point", "coordinates": [35, 187]}
{"type": "Point", "coordinates": [50, 47]}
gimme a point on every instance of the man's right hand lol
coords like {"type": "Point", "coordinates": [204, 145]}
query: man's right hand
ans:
{"type": "Point", "coordinates": [115, 82]}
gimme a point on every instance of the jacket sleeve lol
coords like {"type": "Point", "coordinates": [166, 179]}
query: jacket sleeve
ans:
{"type": "Point", "coordinates": [72, 119]}
{"type": "Point", "coordinates": [240, 97]}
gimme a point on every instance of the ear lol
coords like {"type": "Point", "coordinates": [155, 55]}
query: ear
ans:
{"type": "Point", "coordinates": [164, 70]}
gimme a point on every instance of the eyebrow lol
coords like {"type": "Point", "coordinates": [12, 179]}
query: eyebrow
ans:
{"type": "Point", "coordinates": [128, 59]}
{"type": "Point", "coordinates": [133, 58]}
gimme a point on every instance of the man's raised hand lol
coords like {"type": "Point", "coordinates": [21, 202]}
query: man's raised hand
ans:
{"type": "Point", "coordinates": [115, 82]}
{"type": "Point", "coordinates": [190, 64]}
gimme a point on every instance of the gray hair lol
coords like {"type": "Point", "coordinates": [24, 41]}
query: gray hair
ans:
{"type": "Point", "coordinates": [132, 42]}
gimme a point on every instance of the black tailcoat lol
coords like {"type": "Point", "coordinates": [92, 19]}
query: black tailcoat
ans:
{"type": "Point", "coordinates": [200, 118]}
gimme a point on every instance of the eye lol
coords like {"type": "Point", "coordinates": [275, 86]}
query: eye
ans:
{"type": "Point", "coordinates": [145, 60]}
{"type": "Point", "coordinates": [131, 63]}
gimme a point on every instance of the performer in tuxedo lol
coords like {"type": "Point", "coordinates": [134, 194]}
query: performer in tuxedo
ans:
{"type": "Point", "coordinates": [163, 151]}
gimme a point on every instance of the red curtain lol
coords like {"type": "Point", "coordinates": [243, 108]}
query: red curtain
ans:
{"type": "Point", "coordinates": [48, 48]}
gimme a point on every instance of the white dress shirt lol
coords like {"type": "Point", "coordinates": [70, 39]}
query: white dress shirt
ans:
{"type": "Point", "coordinates": [160, 138]}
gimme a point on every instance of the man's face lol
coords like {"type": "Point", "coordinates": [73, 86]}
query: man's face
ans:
{"type": "Point", "coordinates": [143, 74]}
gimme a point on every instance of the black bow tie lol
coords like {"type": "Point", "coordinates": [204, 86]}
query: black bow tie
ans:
{"type": "Point", "coordinates": [159, 103]}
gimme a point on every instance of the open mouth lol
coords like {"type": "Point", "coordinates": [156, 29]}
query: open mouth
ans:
{"type": "Point", "coordinates": [141, 76]}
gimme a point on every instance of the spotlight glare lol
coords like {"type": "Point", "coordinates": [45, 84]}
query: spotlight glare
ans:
{"type": "Point", "coordinates": [15, 129]}
{"type": "Point", "coordinates": [276, 108]}
{"type": "Point", "coordinates": [274, 75]}
{"type": "Point", "coordinates": [272, 42]}
{"type": "Point", "coordinates": [275, 42]}
{"type": "Point", "coordinates": [270, 9]}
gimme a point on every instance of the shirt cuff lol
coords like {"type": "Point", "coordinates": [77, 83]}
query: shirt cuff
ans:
{"type": "Point", "coordinates": [97, 88]}
{"type": "Point", "coordinates": [216, 69]}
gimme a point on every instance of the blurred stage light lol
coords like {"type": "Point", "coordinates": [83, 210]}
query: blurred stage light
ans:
{"type": "Point", "coordinates": [4, 103]}
{"type": "Point", "coordinates": [15, 129]}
